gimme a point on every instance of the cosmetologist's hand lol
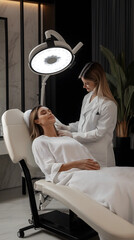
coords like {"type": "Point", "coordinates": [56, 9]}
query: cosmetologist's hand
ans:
{"type": "Point", "coordinates": [64, 133]}
{"type": "Point", "coordinates": [61, 126]}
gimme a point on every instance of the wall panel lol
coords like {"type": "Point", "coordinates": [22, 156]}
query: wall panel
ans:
{"type": "Point", "coordinates": [11, 10]}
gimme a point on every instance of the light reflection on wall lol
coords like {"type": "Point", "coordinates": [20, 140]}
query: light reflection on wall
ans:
{"type": "Point", "coordinates": [11, 10]}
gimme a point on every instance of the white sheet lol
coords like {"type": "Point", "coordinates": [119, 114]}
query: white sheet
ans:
{"type": "Point", "coordinates": [112, 187]}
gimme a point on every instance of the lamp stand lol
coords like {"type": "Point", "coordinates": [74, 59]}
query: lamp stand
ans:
{"type": "Point", "coordinates": [42, 97]}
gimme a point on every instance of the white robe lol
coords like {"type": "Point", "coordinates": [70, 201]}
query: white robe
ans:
{"type": "Point", "coordinates": [111, 187]}
{"type": "Point", "coordinates": [51, 152]}
{"type": "Point", "coordinates": [95, 128]}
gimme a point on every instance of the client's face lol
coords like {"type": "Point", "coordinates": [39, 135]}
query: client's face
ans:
{"type": "Point", "coordinates": [45, 116]}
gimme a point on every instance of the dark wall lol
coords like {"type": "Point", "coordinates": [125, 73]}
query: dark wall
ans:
{"type": "Point", "coordinates": [65, 90]}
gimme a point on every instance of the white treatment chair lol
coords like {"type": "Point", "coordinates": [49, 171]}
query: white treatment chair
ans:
{"type": "Point", "coordinates": [94, 215]}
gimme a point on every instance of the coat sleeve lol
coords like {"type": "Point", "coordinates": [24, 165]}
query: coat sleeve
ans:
{"type": "Point", "coordinates": [106, 124]}
{"type": "Point", "coordinates": [74, 126]}
{"type": "Point", "coordinates": [45, 159]}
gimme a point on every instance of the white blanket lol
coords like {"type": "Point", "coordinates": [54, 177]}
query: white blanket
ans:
{"type": "Point", "coordinates": [112, 187]}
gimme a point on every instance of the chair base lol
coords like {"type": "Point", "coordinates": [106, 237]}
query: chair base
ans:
{"type": "Point", "coordinates": [64, 225]}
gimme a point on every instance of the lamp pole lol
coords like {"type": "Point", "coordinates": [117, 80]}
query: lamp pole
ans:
{"type": "Point", "coordinates": [42, 98]}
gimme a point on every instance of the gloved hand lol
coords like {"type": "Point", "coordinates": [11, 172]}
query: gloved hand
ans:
{"type": "Point", "coordinates": [61, 126]}
{"type": "Point", "coordinates": [65, 133]}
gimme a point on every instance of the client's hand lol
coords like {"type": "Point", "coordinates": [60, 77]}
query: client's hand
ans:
{"type": "Point", "coordinates": [88, 164]}
{"type": "Point", "coordinates": [64, 133]}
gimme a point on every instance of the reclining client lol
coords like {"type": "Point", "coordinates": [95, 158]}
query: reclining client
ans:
{"type": "Point", "coordinates": [55, 154]}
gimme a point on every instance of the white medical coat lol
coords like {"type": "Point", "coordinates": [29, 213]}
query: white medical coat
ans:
{"type": "Point", "coordinates": [95, 128]}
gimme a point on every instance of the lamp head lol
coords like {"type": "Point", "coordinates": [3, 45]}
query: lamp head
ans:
{"type": "Point", "coordinates": [52, 56]}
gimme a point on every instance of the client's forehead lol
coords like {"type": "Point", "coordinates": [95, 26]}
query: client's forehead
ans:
{"type": "Point", "coordinates": [42, 108]}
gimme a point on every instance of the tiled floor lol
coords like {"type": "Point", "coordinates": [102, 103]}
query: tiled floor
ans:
{"type": "Point", "coordinates": [14, 214]}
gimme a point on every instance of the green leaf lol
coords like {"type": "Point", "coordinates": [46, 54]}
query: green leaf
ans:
{"type": "Point", "coordinates": [121, 60]}
{"type": "Point", "coordinates": [113, 85]}
{"type": "Point", "coordinates": [111, 80]}
{"type": "Point", "coordinates": [121, 83]}
{"type": "Point", "coordinates": [132, 106]}
{"type": "Point", "coordinates": [130, 73]}
{"type": "Point", "coordinates": [116, 69]}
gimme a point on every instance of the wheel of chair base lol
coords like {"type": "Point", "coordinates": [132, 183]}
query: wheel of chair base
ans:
{"type": "Point", "coordinates": [20, 234]}
{"type": "Point", "coordinates": [30, 221]}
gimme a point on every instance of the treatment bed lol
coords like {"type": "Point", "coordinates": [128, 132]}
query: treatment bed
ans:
{"type": "Point", "coordinates": [86, 216]}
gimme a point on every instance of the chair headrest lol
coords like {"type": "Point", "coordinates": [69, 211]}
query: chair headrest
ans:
{"type": "Point", "coordinates": [17, 139]}
{"type": "Point", "coordinates": [26, 116]}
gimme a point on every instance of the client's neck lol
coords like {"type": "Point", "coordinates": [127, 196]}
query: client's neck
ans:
{"type": "Point", "coordinates": [50, 131]}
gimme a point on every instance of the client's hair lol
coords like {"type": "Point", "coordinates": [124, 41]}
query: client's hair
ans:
{"type": "Point", "coordinates": [35, 129]}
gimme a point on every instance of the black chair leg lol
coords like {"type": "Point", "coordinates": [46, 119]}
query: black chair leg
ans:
{"type": "Point", "coordinates": [23, 186]}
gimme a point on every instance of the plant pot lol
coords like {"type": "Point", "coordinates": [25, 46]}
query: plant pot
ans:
{"type": "Point", "coordinates": [123, 142]}
{"type": "Point", "coordinates": [123, 153]}
{"type": "Point", "coordinates": [132, 141]}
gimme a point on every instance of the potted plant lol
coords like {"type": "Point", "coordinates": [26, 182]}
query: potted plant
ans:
{"type": "Point", "coordinates": [121, 80]}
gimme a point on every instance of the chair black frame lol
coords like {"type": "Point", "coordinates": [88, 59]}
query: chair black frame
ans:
{"type": "Point", "coordinates": [66, 226]}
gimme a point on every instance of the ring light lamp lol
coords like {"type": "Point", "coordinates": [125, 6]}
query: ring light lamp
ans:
{"type": "Point", "coordinates": [51, 57]}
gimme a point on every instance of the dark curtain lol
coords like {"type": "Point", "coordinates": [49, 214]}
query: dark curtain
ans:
{"type": "Point", "coordinates": [112, 27]}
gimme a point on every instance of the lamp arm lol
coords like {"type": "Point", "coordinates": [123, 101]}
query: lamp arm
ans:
{"type": "Point", "coordinates": [48, 34]}
{"type": "Point", "coordinates": [77, 47]}
{"type": "Point", "coordinates": [42, 98]}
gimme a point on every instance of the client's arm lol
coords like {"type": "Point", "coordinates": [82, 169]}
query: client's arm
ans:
{"type": "Point", "coordinates": [86, 164]}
